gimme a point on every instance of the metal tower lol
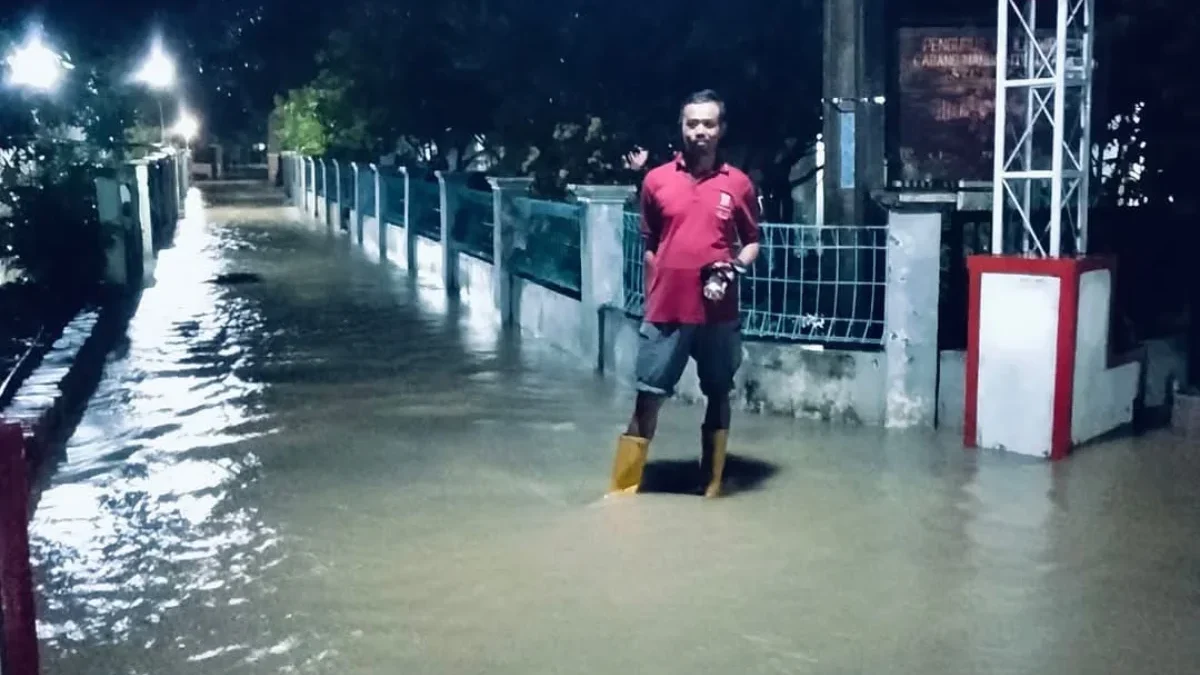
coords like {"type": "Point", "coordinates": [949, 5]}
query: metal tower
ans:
{"type": "Point", "coordinates": [1043, 149]}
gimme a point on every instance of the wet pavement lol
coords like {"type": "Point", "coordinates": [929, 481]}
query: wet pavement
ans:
{"type": "Point", "coordinates": [332, 469]}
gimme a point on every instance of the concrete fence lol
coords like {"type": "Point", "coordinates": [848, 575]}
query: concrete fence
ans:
{"type": "Point", "coordinates": [139, 205]}
{"type": "Point", "coordinates": [841, 322]}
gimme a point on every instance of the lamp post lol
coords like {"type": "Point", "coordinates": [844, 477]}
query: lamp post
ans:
{"type": "Point", "coordinates": [34, 65]}
{"type": "Point", "coordinates": [186, 127]}
{"type": "Point", "coordinates": [158, 73]}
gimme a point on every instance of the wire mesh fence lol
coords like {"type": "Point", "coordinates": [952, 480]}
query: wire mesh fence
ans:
{"type": "Point", "coordinates": [810, 283]}
{"type": "Point", "coordinates": [634, 270]}
{"type": "Point", "coordinates": [549, 253]}
{"type": "Point", "coordinates": [814, 283]}
{"type": "Point", "coordinates": [472, 227]}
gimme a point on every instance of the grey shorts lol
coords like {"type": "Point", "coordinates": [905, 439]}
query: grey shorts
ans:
{"type": "Point", "coordinates": [664, 349]}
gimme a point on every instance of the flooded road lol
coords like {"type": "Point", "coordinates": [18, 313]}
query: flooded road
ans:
{"type": "Point", "coordinates": [333, 470]}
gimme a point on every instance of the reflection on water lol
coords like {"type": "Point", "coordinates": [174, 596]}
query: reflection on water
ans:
{"type": "Point", "coordinates": [338, 471]}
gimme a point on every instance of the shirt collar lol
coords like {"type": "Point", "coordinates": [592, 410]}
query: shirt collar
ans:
{"type": "Point", "coordinates": [721, 166]}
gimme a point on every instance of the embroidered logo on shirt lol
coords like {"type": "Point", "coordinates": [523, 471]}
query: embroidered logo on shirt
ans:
{"type": "Point", "coordinates": [725, 206]}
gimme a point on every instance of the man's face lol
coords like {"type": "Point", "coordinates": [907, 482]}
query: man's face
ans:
{"type": "Point", "coordinates": [702, 127]}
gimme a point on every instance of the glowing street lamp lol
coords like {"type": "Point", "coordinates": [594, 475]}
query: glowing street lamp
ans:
{"type": "Point", "coordinates": [158, 73]}
{"type": "Point", "coordinates": [35, 66]}
{"type": "Point", "coordinates": [158, 70]}
{"type": "Point", "coordinates": [186, 127]}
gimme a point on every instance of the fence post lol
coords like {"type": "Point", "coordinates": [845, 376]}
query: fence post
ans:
{"type": "Point", "coordinates": [180, 193]}
{"type": "Point", "coordinates": [20, 646]}
{"type": "Point", "coordinates": [176, 198]}
{"type": "Point", "coordinates": [410, 232]}
{"type": "Point", "coordinates": [310, 205]}
{"type": "Point", "coordinates": [145, 224]}
{"type": "Point", "coordinates": [379, 220]}
{"type": "Point", "coordinates": [335, 216]}
{"type": "Point", "coordinates": [449, 185]}
{"type": "Point", "coordinates": [505, 191]}
{"type": "Point", "coordinates": [914, 256]}
{"type": "Point", "coordinates": [321, 202]}
{"type": "Point", "coordinates": [602, 263]}
{"type": "Point", "coordinates": [356, 220]}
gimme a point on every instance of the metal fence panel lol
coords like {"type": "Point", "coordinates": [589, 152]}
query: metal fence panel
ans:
{"type": "Point", "coordinates": [550, 253]}
{"type": "Point", "coordinates": [472, 225]}
{"type": "Point", "coordinates": [814, 283]}
{"type": "Point", "coordinates": [393, 202]}
{"type": "Point", "coordinates": [366, 192]}
{"type": "Point", "coordinates": [425, 209]}
{"type": "Point", "coordinates": [347, 194]}
{"type": "Point", "coordinates": [810, 283]}
{"type": "Point", "coordinates": [634, 268]}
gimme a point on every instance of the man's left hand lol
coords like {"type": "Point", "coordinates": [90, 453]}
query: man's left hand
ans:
{"type": "Point", "coordinates": [718, 276]}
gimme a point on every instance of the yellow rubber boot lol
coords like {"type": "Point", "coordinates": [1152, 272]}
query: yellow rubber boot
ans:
{"type": "Point", "coordinates": [628, 464]}
{"type": "Point", "coordinates": [712, 460]}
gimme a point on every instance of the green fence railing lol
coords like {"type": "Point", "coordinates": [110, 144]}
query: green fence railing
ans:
{"type": "Point", "coordinates": [550, 254]}
{"type": "Point", "coordinates": [473, 228]}
{"type": "Point", "coordinates": [425, 211]}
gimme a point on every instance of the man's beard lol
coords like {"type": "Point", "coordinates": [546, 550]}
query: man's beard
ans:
{"type": "Point", "coordinates": [695, 150]}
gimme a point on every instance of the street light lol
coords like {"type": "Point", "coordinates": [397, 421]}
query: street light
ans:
{"type": "Point", "coordinates": [158, 73]}
{"type": "Point", "coordinates": [186, 127]}
{"type": "Point", "coordinates": [158, 70]}
{"type": "Point", "coordinates": [35, 66]}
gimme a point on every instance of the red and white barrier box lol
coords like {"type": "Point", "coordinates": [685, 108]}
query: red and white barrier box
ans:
{"type": "Point", "coordinates": [1040, 376]}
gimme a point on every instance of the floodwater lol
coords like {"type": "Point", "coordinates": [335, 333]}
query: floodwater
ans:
{"type": "Point", "coordinates": [333, 470]}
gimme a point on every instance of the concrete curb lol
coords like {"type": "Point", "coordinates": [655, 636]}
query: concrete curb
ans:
{"type": "Point", "coordinates": [50, 401]}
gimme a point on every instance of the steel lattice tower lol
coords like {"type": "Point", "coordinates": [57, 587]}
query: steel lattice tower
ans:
{"type": "Point", "coordinates": [1043, 140]}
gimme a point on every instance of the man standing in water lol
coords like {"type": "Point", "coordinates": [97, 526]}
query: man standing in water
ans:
{"type": "Point", "coordinates": [700, 229]}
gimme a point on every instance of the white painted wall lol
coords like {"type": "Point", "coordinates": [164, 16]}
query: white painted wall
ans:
{"type": "Point", "coordinates": [1103, 397]}
{"type": "Point", "coordinates": [370, 237]}
{"type": "Point", "coordinates": [475, 287]}
{"type": "Point", "coordinates": [1018, 331]}
{"type": "Point", "coordinates": [397, 246]}
{"type": "Point", "coordinates": [549, 315]}
{"type": "Point", "coordinates": [429, 259]}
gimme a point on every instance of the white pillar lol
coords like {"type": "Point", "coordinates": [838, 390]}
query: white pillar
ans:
{"type": "Point", "coordinates": [601, 247]}
{"type": "Point", "coordinates": [504, 192]}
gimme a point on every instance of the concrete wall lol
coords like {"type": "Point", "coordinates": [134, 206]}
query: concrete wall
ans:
{"type": "Point", "coordinates": [429, 260]}
{"type": "Point", "coordinates": [1166, 364]}
{"type": "Point", "coordinates": [476, 287]}
{"type": "Point", "coordinates": [397, 245]}
{"type": "Point", "coordinates": [548, 315]}
{"type": "Point", "coordinates": [896, 385]}
{"type": "Point", "coordinates": [370, 237]}
{"type": "Point", "coordinates": [1103, 396]}
{"type": "Point", "coordinates": [782, 379]}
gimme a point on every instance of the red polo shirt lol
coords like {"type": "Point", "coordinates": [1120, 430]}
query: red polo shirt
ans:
{"type": "Point", "coordinates": [689, 222]}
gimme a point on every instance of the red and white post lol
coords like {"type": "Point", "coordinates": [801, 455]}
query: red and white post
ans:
{"type": "Point", "coordinates": [1040, 374]}
{"type": "Point", "coordinates": [1040, 378]}
{"type": "Point", "coordinates": [17, 613]}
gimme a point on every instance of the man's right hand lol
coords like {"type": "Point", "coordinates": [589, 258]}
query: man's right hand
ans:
{"type": "Point", "coordinates": [637, 158]}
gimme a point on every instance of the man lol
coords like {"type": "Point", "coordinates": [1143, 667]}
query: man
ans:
{"type": "Point", "coordinates": [700, 229]}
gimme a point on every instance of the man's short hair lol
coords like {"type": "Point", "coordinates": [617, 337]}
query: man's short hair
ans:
{"type": "Point", "coordinates": [704, 96]}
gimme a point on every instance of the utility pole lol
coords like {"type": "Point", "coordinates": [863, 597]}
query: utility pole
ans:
{"type": "Point", "coordinates": [855, 60]}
